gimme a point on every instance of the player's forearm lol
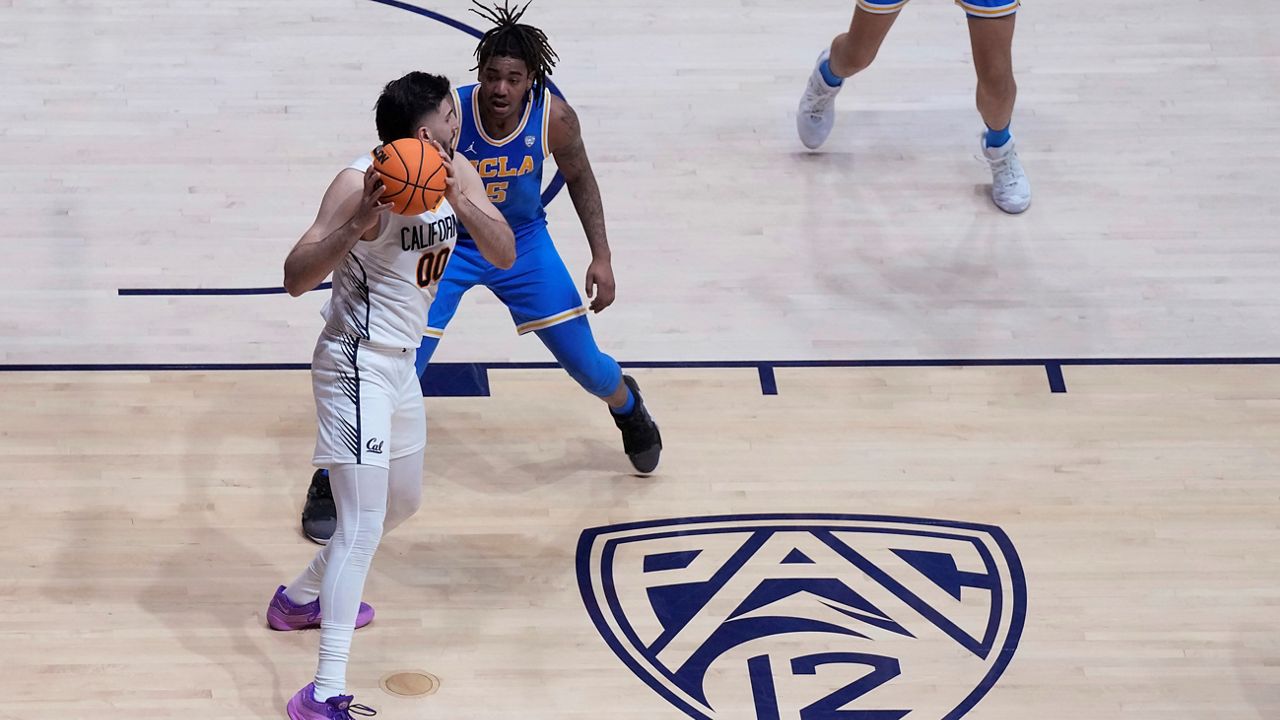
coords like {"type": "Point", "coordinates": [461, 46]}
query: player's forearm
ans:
{"type": "Point", "coordinates": [493, 236]}
{"type": "Point", "coordinates": [310, 263]}
{"type": "Point", "coordinates": [586, 200]}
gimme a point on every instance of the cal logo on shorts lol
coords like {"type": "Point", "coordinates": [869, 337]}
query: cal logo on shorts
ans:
{"type": "Point", "coordinates": [808, 617]}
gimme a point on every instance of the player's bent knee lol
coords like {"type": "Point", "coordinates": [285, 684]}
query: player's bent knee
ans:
{"type": "Point", "coordinates": [595, 371]}
{"type": "Point", "coordinates": [575, 349]}
{"type": "Point", "coordinates": [361, 544]}
{"type": "Point", "coordinates": [367, 540]}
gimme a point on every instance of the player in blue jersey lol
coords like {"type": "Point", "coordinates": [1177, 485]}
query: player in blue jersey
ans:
{"type": "Point", "coordinates": [510, 124]}
{"type": "Point", "coordinates": [991, 24]}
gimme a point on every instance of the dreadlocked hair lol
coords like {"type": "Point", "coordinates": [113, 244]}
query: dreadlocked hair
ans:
{"type": "Point", "coordinates": [510, 38]}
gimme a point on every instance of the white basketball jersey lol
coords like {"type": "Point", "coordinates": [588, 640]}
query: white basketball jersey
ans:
{"type": "Point", "coordinates": [383, 287]}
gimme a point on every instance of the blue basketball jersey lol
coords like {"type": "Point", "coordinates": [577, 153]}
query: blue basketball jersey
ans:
{"type": "Point", "coordinates": [510, 167]}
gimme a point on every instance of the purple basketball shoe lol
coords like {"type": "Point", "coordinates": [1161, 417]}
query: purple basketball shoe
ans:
{"type": "Point", "coordinates": [282, 614]}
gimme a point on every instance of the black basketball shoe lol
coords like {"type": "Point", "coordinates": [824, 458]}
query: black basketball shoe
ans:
{"type": "Point", "coordinates": [640, 437]}
{"type": "Point", "coordinates": [320, 514]}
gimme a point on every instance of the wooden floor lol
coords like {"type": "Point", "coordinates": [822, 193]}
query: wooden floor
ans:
{"type": "Point", "coordinates": [147, 532]}
{"type": "Point", "coordinates": [184, 145]}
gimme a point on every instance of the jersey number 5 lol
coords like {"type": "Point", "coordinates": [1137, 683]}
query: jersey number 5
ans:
{"type": "Point", "coordinates": [497, 191]}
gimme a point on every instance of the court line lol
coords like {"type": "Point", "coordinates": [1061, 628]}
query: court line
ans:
{"type": "Point", "coordinates": [549, 193]}
{"type": "Point", "coordinates": [1057, 383]}
{"type": "Point", "coordinates": [149, 367]}
{"type": "Point", "coordinates": [211, 291]}
{"type": "Point", "coordinates": [472, 379]}
{"type": "Point", "coordinates": [768, 383]}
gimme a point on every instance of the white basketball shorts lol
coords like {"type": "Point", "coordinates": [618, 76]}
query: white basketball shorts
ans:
{"type": "Point", "coordinates": [368, 402]}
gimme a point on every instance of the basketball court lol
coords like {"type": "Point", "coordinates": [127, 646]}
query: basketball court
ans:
{"type": "Point", "coordinates": [1038, 453]}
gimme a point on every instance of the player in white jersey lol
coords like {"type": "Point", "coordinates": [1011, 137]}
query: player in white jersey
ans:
{"type": "Point", "coordinates": [371, 423]}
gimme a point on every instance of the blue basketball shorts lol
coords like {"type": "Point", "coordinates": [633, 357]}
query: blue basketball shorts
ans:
{"type": "Point", "coordinates": [537, 290]}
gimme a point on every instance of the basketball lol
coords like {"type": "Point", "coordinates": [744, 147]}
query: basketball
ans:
{"type": "Point", "coordinates": [413, 174]}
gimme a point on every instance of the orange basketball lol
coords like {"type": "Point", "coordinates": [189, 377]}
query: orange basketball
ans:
{"type": "Point", "coordinates": [413, 174]}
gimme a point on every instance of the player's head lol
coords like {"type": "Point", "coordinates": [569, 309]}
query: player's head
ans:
{"type": "Point", "coordinates": [417, 105]}
{"type": "Point", "coordinates": [512, 59]}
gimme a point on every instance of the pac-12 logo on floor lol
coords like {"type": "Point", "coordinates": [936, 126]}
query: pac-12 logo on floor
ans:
{"type": "Point", "coordinates": [808, 617]}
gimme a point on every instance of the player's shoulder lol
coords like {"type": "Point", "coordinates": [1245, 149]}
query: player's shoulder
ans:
{"type": "Point", "coordinates": [361, 163]}
{"type": "Point", "coordinates": [351, 175]}
{"type": "Point", "coordinates": [463, 95]}
{"type": "Point", "coordinates": [350, 178]}
{"type": "Point", "coordinates": [563, 128]}
{"type": "Point", "coordinates": [557, 105]}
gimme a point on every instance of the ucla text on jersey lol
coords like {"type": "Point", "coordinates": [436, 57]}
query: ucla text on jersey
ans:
{"type": "Point", "coordinates": [510, 167]}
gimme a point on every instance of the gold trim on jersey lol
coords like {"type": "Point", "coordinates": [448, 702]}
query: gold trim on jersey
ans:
{"type": "Point", "coordinates": [433, 332]}
{"type": "Point", "coordinates": [1008, 9]}
{"type": "Point", "coordinates": [546, 124]}
{"type": "Point", "coordinates": [545, 323]}
{"type": "Point", "coordinates": [882, 9]}
{"type": "Point", "coordinates": [457, 109]}
{"type": "Point", "coordinates": [479, 122]}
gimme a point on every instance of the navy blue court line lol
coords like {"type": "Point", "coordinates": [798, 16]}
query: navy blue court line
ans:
{"type": "Point", "coordinates": [472, 379]}
{"type": "Point", "coordinates": [151, 367]}
{"type": "Point", "coordinates": [212, 291]}
{"type": "Point", "coordinates": [455, 24]}
{"type": "Point", "coordinates": [981, 362]}
{"type": "Point", "coordinates": [768, 383]}
{"type": "Point", "coordinates": [1057, 383]}
{"type": "Point", "coordinates": [549, 193]}
{"type": "Point", "coordinates": [763, 365]}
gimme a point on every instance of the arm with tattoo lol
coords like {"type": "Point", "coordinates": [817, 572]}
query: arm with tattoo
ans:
{"type": "Point", "coordinates": [571, 157]}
